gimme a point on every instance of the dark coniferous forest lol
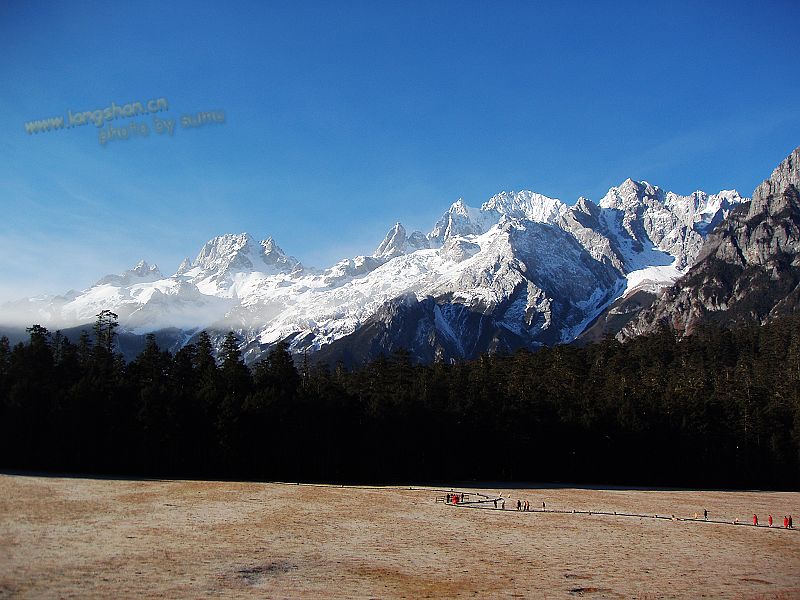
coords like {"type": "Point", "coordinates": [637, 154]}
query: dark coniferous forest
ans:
{"type": "Point", "coordinates": [720, 408]}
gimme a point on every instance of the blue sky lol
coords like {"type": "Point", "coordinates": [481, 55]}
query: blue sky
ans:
{"type": "Point", "coordinates": [344, 117]}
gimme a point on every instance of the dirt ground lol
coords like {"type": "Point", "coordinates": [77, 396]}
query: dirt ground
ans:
{"type": "Point", "coordinates": [82, 538]}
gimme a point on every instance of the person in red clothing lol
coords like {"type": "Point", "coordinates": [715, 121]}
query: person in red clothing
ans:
{"type": "Point", "coordinates": [755, 520]}
{"type": "Point", "coordinates": [785, 522]}
{"type": "Point", "coordinates": [769, 520]}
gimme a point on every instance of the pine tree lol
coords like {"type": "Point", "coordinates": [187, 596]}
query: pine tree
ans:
{"type": "Point", "coordinates": [236, 382]}
{"type": "Point", "coordinates": [104, 329]}
{"type": "Point", "coordinates": [236, 376]}
{"type": "Point", "coordinates": [85, 349]}
{"type": "Point", "coordinates": [208, 377]}
{"type": "Point", "coordinates": [155, 411]}
{"type": "Point", "coordinates": [5, 363]}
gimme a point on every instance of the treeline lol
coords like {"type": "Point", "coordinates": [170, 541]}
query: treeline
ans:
{"type": "Point", "coordinates": [720, 408]}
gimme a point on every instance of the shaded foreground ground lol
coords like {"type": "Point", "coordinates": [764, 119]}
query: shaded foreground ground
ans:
{"type": "Point", "coordinates": [77, 538]}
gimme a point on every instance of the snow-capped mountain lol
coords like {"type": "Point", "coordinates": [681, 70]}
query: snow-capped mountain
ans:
{"type": "Point", "coordinates": [521, 270]}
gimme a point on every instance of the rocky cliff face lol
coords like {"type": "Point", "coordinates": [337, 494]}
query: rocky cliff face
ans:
{"type": "Point", "coordinates": [748, 270]}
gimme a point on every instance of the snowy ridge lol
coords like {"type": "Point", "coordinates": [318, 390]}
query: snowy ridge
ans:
{"type": "Point", "coordinates": [525, 205]}
{"type": "Point", "coordinates": [537, 269]}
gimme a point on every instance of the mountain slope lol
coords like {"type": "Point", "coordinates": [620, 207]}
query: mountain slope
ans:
{"type": "Point", "coordinates": [747, 270]}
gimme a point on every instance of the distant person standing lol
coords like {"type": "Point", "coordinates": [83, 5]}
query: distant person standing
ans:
{"type": "Point", "coordinates": [542, 505]}
{"type": "Point", "coordinates": [769, 520]}
{"type": "Point", "coordinates": [503, 505]}
{"type": "Point", "coordinates": [785, 522]}
{"type": "Point", "coordinates": [755, 520]}
{"type": "Point", "coordinates": [495, 502]}
{"type": "Point", "coordinates": [519, 506]}
{"type": "Point", "coordinates": [705, 514]}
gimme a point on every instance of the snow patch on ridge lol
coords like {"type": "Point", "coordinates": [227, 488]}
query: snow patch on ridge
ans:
{"type": "Point", "coordinates": [652, 279]}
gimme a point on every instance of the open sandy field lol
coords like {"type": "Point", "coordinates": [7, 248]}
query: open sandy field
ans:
{"type": "Point", "coordinates": [79, 538]}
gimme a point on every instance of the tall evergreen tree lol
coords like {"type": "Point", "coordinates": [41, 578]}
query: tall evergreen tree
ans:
{"type": "Point", "coordinates": [105, 329]}
{"type": "Point", "coordinates": [236, 382]}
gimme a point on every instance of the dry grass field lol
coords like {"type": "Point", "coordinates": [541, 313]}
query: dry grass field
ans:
{"type": "Point", "coordinates": [85, 538]}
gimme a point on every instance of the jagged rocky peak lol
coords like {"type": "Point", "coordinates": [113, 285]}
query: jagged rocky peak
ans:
{"type": "Point", "coordinates": [769, 197]}
{"type": "Point", "coordinates": [224, 251]}
{"type": "Point", "coordinates": [525, 205]}
{"type": "Point", "coordinates": [271, 248]}
{"type": "Point", "coordinates": [771, 228]}
{"type": "Point", "coordinates": [142, 269]}
{"type": "Point", "coordinates": [240, 252]}
{"type": "Point", "coordinates": [185, 265]}
{"type": "Point", "coordinates": [702, 211]}
{"type": "Point", "coordinates": [586, 206]}
{"type": "Point", "coordinates": [585, 213]}
{"type": "Point", "coordinates": [274, 256]}
{"type": "Point", "coordinates": [418, 240]}
{"type": "Point", "coordinates": [459, 220]}
{"type": "Point", "coordinates": [397, 242]}
{"type": "Point", "coordinates": [460, 207]}
{"type": "Point", "coordinates": [697, 210]}
{"type": "Point", "coordinates": [141, 273]}
{"type": "Point", "coordinates": [665, 221]}
{"type": "Point", "coordinates": [630, 194]}
{"type": "Point", "coordinates": [394, 244]}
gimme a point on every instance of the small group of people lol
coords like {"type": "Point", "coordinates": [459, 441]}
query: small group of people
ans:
{"type": "Point", "coordinates": [524, 505]}
{"type": "Point", "coordinates": [787, 521]}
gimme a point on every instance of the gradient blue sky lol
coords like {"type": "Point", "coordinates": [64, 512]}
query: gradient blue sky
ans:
{"type": "Point", "coordinates": [344, 117]}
